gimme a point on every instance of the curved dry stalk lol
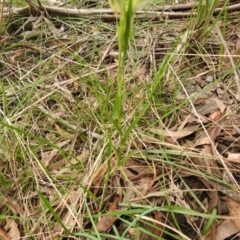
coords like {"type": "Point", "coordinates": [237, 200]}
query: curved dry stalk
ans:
{"type": "Point", "coordinates": [109, 14]}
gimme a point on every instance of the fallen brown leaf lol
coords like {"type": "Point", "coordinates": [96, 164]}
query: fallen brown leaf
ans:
{"type": "Point", "coordinates": [178, 134]}
{"type": "Point", "coordinates": [67, 217]}
{"type": "Point", "coordinates": [233, 156]}
{"type": "Point", "coordinates": [13, 204]}
{"type": "Point", "coordinates": [224, 230]}
{"type": "Point", "coordinates": [12, 229]}
{"type": "Point", "coordinates": [215, 129]}
{"type": "Point", "coordinates": [158, 218]}
{"type": "Point", "coordinates": [238, 45]}
{"type": "Point", "coordinates": [99, 178]}
{"type": "Point", "coordinates": [234, 211]}
{"type": "Point", "coordinates": [48, 156]}
{"type": "Point", "coordinates": [17, 53]}
{"type": "Point", "coordinates": [4, 235]}
{"type": "Point", "coordinates": [106, 222]}
{"type": "Point", "coordinates": [57, 43]}
{"type": "Point", "coordinates": [140, 170]}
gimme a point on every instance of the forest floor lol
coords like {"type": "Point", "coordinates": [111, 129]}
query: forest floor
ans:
{"type": "Point", "coordinates": [172, 171]}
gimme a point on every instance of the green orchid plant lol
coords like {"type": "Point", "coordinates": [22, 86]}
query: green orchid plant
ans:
{"type": "Point", "coordinates": [126, 9]}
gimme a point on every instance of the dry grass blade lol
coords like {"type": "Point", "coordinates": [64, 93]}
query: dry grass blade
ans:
{"type": "Point", "coordinates": [235, 71]}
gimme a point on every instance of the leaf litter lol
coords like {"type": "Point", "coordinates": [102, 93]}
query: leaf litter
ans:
{"type": "Point", "coordinates": [180, 159]}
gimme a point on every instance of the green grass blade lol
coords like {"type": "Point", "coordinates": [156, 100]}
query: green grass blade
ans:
{"type": "Point", "coordinates": [49, 207]}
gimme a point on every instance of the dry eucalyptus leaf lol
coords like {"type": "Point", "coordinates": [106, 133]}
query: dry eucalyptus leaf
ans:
{"type": "Point", "coordinates": [234, 156]}
{"type": "Point", "coordinates": [177, 135]}
{"type": "Point", "coordinates": [220, 104]}
{"type": "Point", "coordinates": [47, 157]}
{"type": "Point", "coordinates": [57, 43]}
{"type": "Point", "coordinates": [99, 177]}
{"type": "Point", "coordinates": [107, 221]}
{"type": "Point", "coordinates": [17, 53]}
{"type": "Point", "coordinates": [140, 169]}
{"type": "Point", "coordinates": [238, 46]}
{"type": "Point", "coordinates": [224, 230]}
{"type": "Point", "coordinates": [4, 235]}
{"type": "Point", "coordinates": [234, 211]}
{"type": "Point", "coordinates": [12, 229]}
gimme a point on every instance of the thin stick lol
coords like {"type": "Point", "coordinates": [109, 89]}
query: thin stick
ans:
{"type": "Point", "coordinates": [109, 14]}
